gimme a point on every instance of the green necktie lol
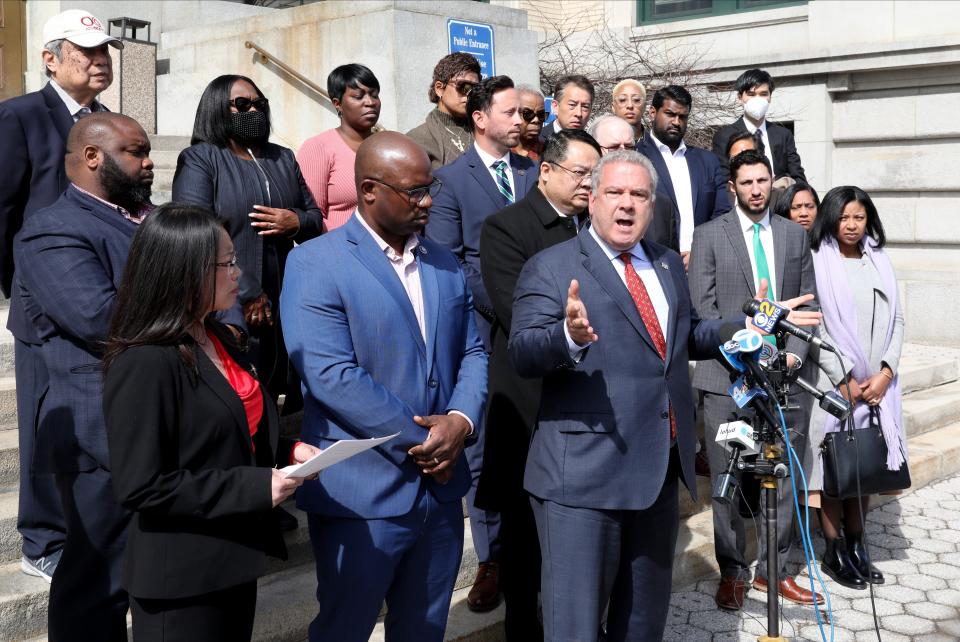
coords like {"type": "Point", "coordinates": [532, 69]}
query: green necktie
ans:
{"type": "Point", "coordinates": [763, 272]}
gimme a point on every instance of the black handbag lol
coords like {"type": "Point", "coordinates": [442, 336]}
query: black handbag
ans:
{"type": "Point", "coordinates": [844, 452]}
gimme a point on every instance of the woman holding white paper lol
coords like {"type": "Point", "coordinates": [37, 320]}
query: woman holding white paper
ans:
{"type": "Point", "coordinates": [193, 436]}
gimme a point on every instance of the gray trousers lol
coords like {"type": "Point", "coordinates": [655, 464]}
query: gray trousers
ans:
{"type": "Point", "coordinates": [729, 538]}
{"type": "Point", "coordinates": [592, 557]}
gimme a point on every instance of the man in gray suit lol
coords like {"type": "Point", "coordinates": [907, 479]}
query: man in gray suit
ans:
{"type": "Point", "coordinates": [734, 257]}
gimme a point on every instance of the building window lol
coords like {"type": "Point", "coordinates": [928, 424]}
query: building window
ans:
{"type": "Point", "coordinates": [667, 10]}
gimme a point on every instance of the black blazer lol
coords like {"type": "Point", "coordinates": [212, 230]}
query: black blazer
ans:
{"type": "Point", "coordinates": [34, 129]}
{"type": "Point", "coordinates": [508, 239]}
{"type": "Point", "coordinates": [786, 160]}
{"type": "Point", "coordinates": [181, 460]}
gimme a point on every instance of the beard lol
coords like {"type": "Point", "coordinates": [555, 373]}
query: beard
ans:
{"type": "Point", "coordinates": [750, 209]}
{"type": "Point", "coordinates": [129, 192]}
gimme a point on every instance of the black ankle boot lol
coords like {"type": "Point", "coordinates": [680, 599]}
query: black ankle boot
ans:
{"type": "Point", "coordinates": [837, 564]}
{"type": "Point", "coordinates": [861, 560]}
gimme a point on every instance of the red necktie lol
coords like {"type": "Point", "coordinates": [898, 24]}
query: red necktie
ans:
{"type": "Point", "coordinates": [645, 307]}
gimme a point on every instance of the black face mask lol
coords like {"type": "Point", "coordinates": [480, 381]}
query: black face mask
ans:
{"type": "Point", "coordinates": [249, 127]}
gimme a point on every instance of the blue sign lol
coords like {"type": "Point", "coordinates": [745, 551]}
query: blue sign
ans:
{"type": "Point", "coordinates": [475, 39]}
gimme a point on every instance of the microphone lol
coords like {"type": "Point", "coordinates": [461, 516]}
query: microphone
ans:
{"type": "Point", "coordinates": [831, 401]}
{"type": "Point", "coordinates": [741, 356]}
{"type": "Point", "coordinates": [769, 316]}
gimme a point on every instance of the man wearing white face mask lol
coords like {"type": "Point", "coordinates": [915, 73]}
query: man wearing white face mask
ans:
{"type": "Point", "coordinates": [754, 91]}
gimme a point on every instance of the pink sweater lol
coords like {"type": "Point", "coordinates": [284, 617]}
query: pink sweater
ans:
{"type": "Point", "coordinates": [327, 165]}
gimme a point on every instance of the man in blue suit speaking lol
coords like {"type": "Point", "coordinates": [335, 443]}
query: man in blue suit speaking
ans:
{"type": "Point", "coordinates": [606, 320]}
{"type": "Point", "coordinates": [379, 324]}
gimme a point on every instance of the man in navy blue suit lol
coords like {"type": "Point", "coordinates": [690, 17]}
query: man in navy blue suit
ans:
{"type": "Point", "coordinates": [34, 130]}
{"type": "Point", "coordinates": [485, 179]}
{"type": "Point", "coordinates": [385, 343]}
{"type": "Point", "coordinates": [70, 259]}
{"type": "Point", "coordinates": [691, 179]}
{"type": "Point", "coordinates": [606, 320]}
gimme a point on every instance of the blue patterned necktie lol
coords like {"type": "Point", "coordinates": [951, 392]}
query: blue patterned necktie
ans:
{"type": "Point", "coordinates": [503, 183]}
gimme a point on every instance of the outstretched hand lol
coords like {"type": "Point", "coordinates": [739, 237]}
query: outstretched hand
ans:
{"type": "Point", "coordinates": [578, 325]}
{"type": "Point", "coordinates": [803, 318]}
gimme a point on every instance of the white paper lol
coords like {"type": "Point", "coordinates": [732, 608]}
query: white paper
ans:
{"type": "Point", "coordinates": [343, 449]}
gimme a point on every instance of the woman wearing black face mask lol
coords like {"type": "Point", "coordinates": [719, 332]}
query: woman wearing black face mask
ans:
{"type": "Point", "coordinates": [256, 187]}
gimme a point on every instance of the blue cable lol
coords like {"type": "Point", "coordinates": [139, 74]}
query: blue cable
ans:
{"type": "Point", "coordinates": [804, 524]}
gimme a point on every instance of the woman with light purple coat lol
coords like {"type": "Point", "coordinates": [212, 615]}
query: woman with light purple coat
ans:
{"type": "Point", "coordinates": [857, 291]}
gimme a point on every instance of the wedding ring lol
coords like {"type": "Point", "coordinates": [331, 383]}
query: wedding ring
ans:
{"type": "Point", "coordinates": [436, 462]}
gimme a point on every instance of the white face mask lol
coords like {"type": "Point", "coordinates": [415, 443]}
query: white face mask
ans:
{"type": "Point", "coordinates": [756, 108]}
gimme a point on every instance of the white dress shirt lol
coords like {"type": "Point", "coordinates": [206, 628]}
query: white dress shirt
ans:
{"type": "Point", "coordinates": [76, 109]}
{"type": "Point", "coordinates": [766, 240]}
{"type": "Point", "coordinates": [408, 271]}
{"type": "Point", "coordinates": [489, 161]}
{"type": "Point", "coordinates": [767, 148]}
{"type": "Point", "coordinates": [644, 268]}
{"type": "Point", "coordinates": [680, 177]}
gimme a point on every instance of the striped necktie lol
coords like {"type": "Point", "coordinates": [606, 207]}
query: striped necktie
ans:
{"type": "Point", "coordinates": [503, 181]}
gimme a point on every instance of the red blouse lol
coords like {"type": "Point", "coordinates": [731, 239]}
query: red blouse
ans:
{"type": "Point", "coordinates": [246, 387]}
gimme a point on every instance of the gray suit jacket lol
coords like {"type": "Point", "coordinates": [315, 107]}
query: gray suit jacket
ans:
{"type": "Point", "coordinates": [721, 279]}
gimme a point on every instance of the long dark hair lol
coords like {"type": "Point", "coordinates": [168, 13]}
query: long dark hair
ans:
{"type": "Point", "coordinates": [212, 123]}
{"type": "Point", "coordinates": [828, 216]}
{"type": "Point", "coordinates": [784, 199]}
{"type": "Point", "coordinates": [168, 282]}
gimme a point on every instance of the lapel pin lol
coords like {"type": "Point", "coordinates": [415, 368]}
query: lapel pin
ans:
{"type": "Point", "coordinates": [423, 250]}
{"type": "Point", "coordinates": [664, 265]}
{"type": "Point", "coordinates": [522, 172]}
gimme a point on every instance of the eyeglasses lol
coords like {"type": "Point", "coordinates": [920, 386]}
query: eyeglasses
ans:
{"type": "Point", "coordinates": [463, 87]}
{"type": "Point", "coordinates": [232, 264]}
{"type": "Point", "coordinates": [613, 148]}
{"type": "Point", "coordinates": [416, 194]}
{"type": "Point", "coordinates": [579, 174]}
{"type": "Point", "coordinates": [244, 104]}
{"type": "Point", "coordinates": [528, 114]}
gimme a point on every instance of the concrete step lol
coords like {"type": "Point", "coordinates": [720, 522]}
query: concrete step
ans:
{"type": "Point", "coordinates": [925, 367]}
{"type": "Point", "coordinates": [164, 158]}
{"type": "Point", "coordinates": [168, 143]}
{"type": "Point", "coordinates": [163, 179]}
{"type": "Point", "coordinates": [9, 459]}
{"type": "Point", "coordinates": [932, 408]}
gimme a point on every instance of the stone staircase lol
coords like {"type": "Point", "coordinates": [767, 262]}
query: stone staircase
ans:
{"type": "Point", "coordinates": [931, 385]}
{"type": "Point", "coordinates": [164, 152]}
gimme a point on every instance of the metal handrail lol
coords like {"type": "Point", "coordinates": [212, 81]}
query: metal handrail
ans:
{"type": "Point", "coordinates": [266, 56]}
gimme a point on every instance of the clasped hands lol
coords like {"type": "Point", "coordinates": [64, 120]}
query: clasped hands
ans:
{"type": "Point", "coordinates": [870, 391]}
{"type": "Point", "coordinates": [438, 453]}
{"type": "Point", "coordinates": [582, 333]}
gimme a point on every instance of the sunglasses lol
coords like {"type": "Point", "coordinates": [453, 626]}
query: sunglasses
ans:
{"type": "Point", "coordinates": [528, 114]}
{"type": "Point", "coordinates": [244, 104]}
{"type": "Point", "coordinates": [464, 87]}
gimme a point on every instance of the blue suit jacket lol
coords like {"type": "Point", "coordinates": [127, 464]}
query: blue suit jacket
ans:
{"type": "Point", "coordinates": [353, 338]}
{"type": "Point", "coordinates": [468, 197]}
{"type": "Point", "coordinates": [34, 129]}
{"type": "Point", "coordinates": [70, 259]}
{"type": "Point", "coordinates": [602, 438]}
{"type": "Point", "coordinates": [708, 182]}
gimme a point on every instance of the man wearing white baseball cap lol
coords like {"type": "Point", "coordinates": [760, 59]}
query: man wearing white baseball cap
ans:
{"type": "Point", "coordinates": [34, 130]}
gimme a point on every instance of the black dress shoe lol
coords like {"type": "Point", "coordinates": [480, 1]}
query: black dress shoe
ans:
{"type": "Point", "coordinates": [861, 559]}
{"type": "Point", "coordinates": [288, 522]}
{"type": "Point", "coordinates": [836, 563]}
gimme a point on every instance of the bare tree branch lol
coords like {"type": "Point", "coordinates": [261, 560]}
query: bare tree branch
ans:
{"type": "Point", "coordinates": [606, 57]}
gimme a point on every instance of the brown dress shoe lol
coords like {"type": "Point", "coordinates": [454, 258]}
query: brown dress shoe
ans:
{"type": "Point", "coordinates": [730, 593]}
{"type": "Point", "coordinates": [485, 594]}
{"type": "Point", "coordinates": [790, 590]}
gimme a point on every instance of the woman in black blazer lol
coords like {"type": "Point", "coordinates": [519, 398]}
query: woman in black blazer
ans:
{"type": "Point", "coordinates": [193, 437]}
